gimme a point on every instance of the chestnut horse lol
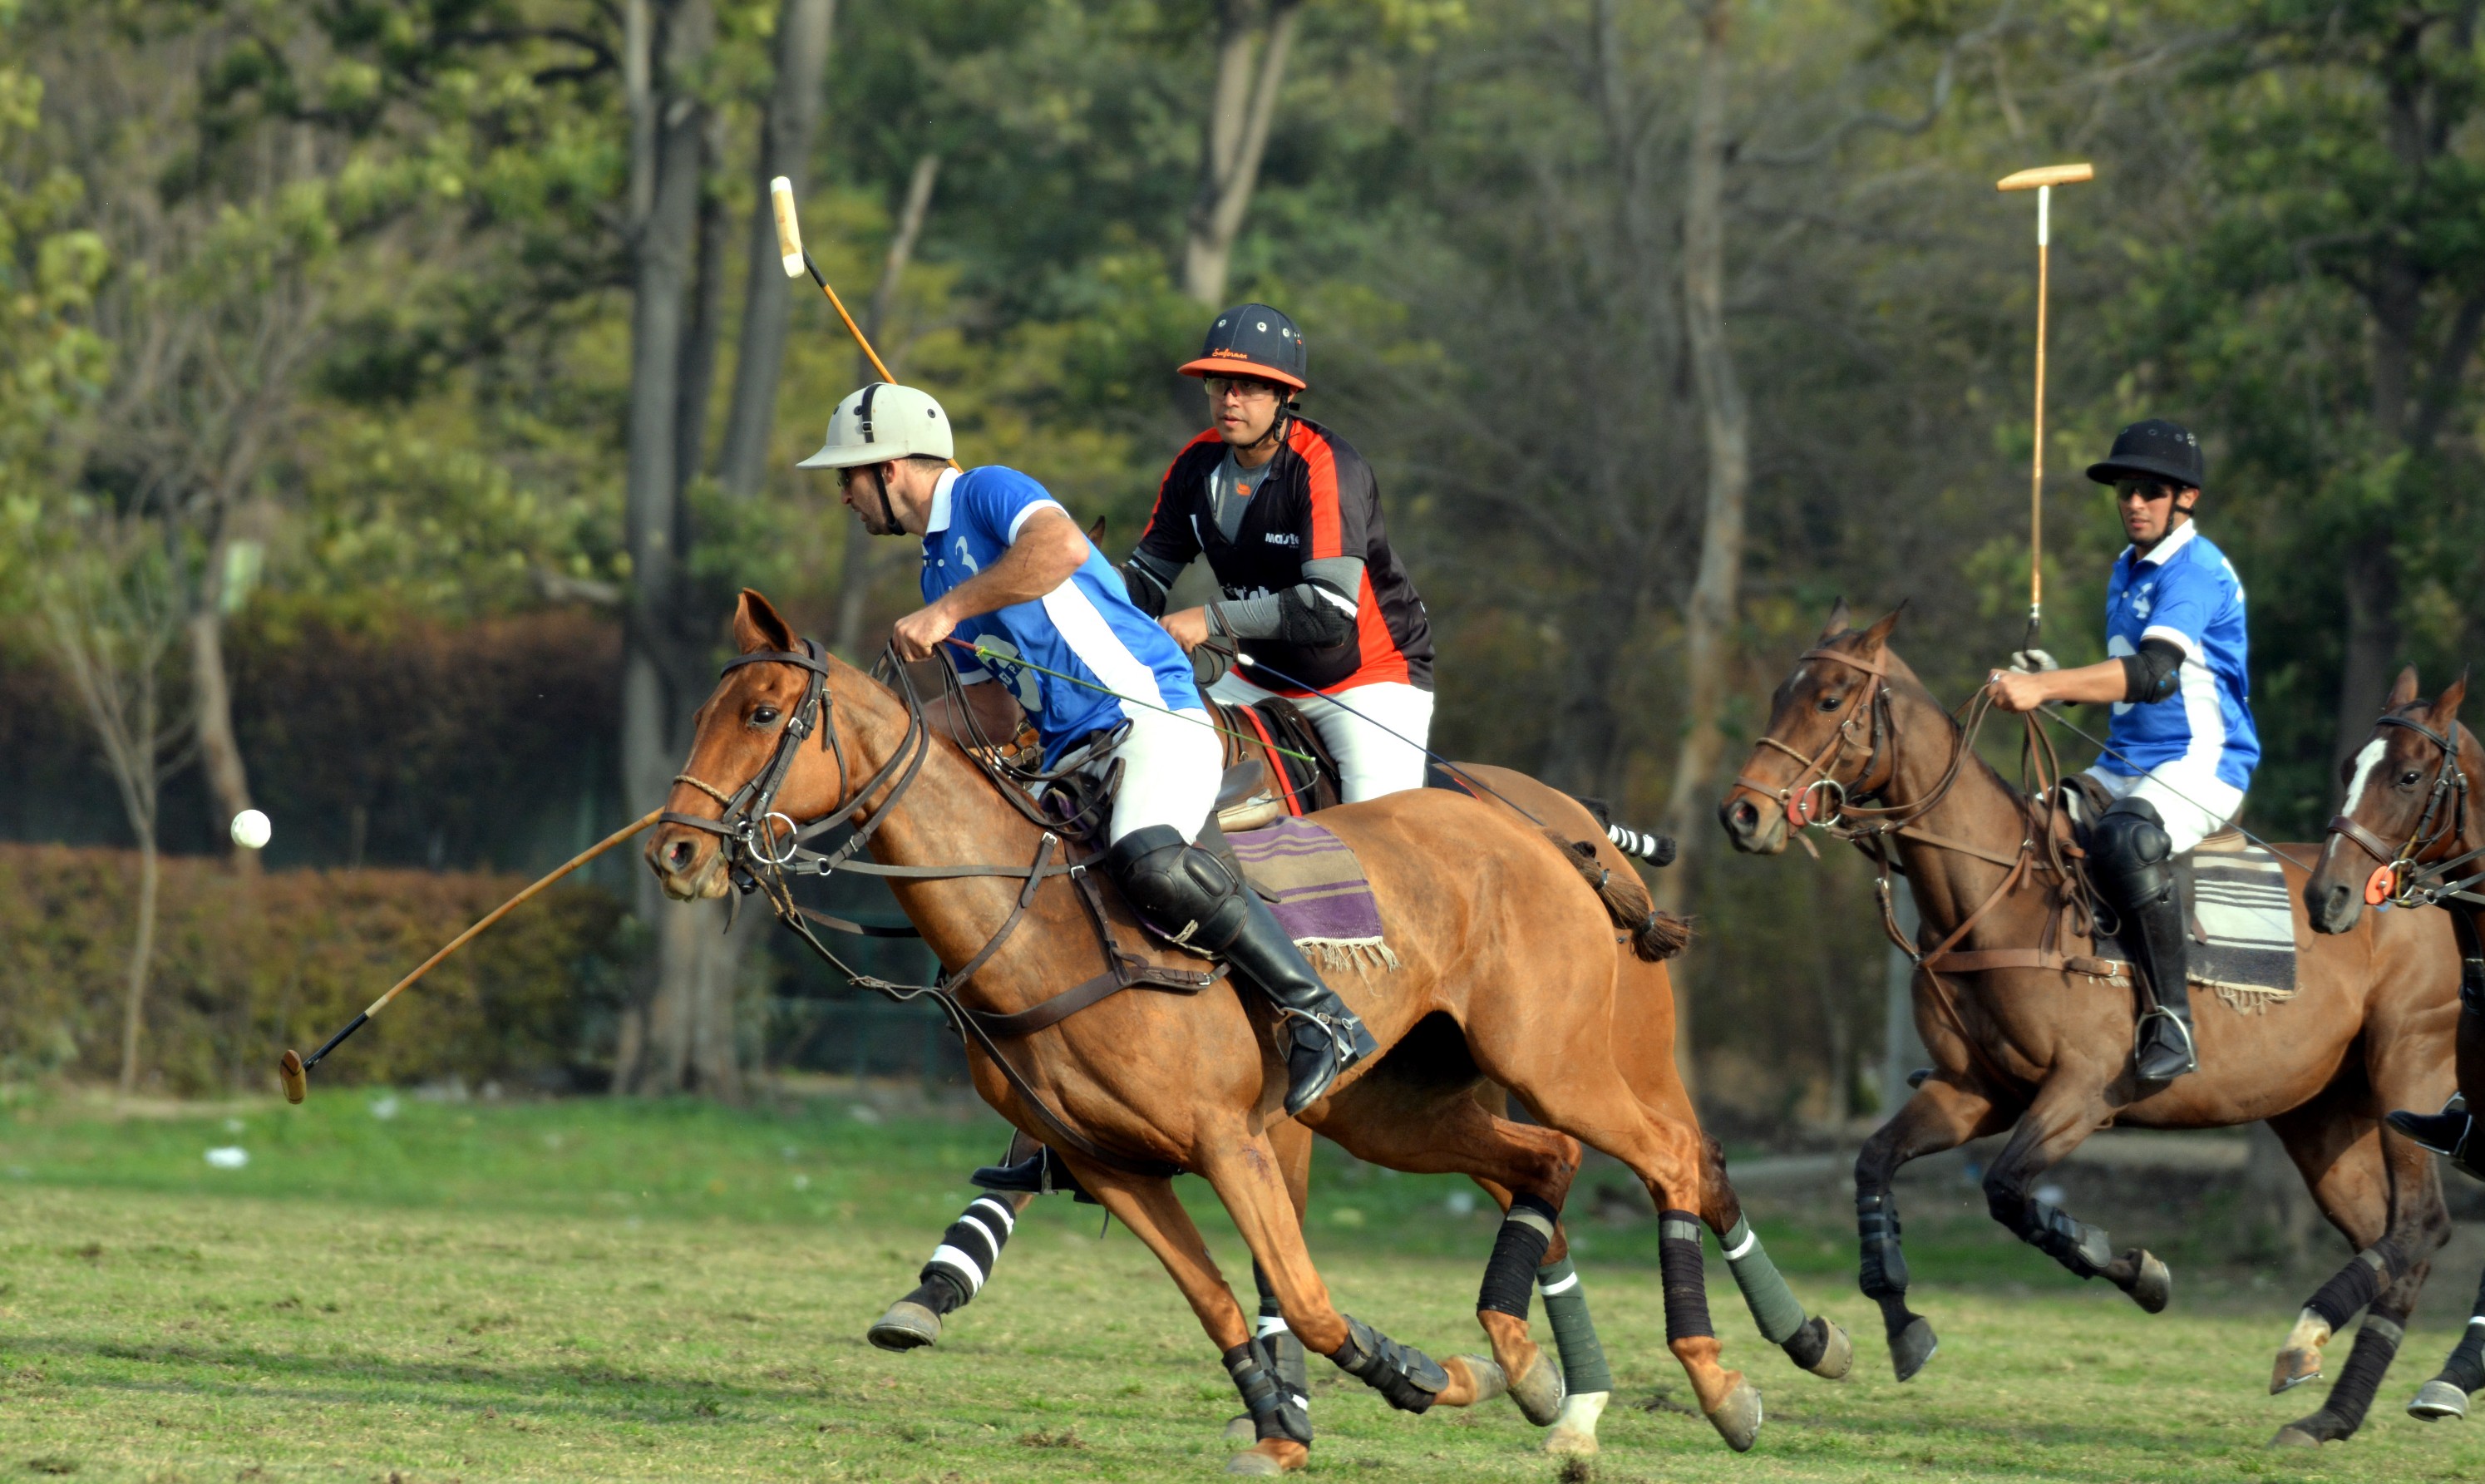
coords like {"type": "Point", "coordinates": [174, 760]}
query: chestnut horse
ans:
{"type": "Point", "coordinates": [2020, 1041]}
{"type": "Point", "coordinates": [1507, 963]}
{"type": "Point", "coordinates": [2409, 835]}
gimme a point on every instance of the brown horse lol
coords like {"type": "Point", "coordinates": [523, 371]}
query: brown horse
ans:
{"type": "Point", "coordinates": [2408, 835]}
{"type": "Point", "coordinates": [1507, 968]}
{"type": "Point", "coordinates": [2020, 1041]}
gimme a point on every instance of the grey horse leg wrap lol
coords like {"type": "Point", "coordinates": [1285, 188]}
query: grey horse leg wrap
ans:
{"type": "Point", "coordinates": [1773, 1304]}
{"type": "Point", "coordinates": [1574, 1334]}
{"type": "Point", "coordinates": [1288, 1361]}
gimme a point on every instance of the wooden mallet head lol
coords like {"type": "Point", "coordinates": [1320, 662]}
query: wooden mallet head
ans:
{"type": "Point", "coordinates": [790, 228]}
{"type": "Point", "coordinates": [2045, 175]}
{"type": "Point", "coordinates": [291, 1073]}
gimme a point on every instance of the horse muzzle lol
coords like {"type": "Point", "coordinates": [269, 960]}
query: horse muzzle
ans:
{"type": "Point", "coordinates": [1754, 822]}
{"type": "Point", "coordinates": [687, 863]}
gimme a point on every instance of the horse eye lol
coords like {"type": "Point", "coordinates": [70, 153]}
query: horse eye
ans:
{"type": "Point", "coordinates": [1832, 702]}
{"type": "Point", "coordinates": [763, 716]}
{"type": "Point", "coordinates": [2408, 779]}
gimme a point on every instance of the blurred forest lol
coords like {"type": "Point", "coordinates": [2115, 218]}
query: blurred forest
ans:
{"type": "Point", "coordinates": [396, 392]}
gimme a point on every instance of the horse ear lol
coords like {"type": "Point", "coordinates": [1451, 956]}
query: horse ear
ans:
{"type": "Point", "coordinates": [759, 625]}
{"type": "Point", "coordinates": [2402, 693]}
{"type": "Point", "coordinates": [2445, 706]}
{"type": "Point", "coordinates": [1096, 534]}
{"type": "Point", "coordinates": [1838, 622]}
{"type": "Point", "coordinates": [1880, 633]}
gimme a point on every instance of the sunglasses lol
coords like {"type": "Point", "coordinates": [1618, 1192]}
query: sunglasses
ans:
{"type": "Point", "coordinates": [2147, 491]}
{"type": "Point", "coordinates": [1247, 388]}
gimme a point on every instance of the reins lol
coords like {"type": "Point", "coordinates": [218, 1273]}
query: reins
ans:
{"type": "Point", "coordinates": [759, 856]}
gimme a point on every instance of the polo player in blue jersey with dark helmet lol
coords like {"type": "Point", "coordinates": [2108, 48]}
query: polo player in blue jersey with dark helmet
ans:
{"type": "Point", "coordinates": [1006, 569]}
{"type": "Point", "coordinates": [2181, 747]}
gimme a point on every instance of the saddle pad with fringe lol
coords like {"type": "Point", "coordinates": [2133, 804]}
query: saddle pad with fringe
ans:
{"type": "Point", "coordinates": [1317, 891]}
{"type": "Point", "coordinates": [2242, 923]}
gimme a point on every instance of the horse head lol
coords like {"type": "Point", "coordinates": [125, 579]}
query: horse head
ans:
{"type": "Point", "coordinates": [740, 733]}
{"type": "Point", "coordinates": [1821, 740]}
{"type": "Point", "coordinates": [2407, 802]}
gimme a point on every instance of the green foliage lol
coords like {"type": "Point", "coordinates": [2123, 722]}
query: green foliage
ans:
{"type": "Point", "coordinates": [244, 965]}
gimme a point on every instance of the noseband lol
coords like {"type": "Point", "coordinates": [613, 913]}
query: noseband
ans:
{"type": "Point", "coordinates": [2411, 885]}
{"type": "Point", "coordinates": [1817, 774]}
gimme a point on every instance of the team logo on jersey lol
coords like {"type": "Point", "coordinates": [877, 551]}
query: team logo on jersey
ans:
{"type": "Point", "coordinates": [967, 558]}
{"type": "Point", "coordinates": [1002, 658]}
{"type": "Point", "coordinates": [1283, 538]}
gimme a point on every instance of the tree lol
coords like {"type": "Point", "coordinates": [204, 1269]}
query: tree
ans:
{"type": "Point", "coordinates": [1252, 40]}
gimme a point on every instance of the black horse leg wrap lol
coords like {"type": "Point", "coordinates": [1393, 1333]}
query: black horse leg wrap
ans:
{"type": "Point", "coordinates": [1273, 1414]}
{"type": "Point", "coordinates": [2466, 1368]}
{"type": "Point", "coordinates": [1884, 1268]}
{"type": "Point", "coordinates": [1510, 1278]}
{"type": "Point", "coordinates": [1686, 1285]}
{"type": "Point", "coordinates": [1405, 1377]}
{"type": "Point", "coordinates": [2377, 1344]}
{"type": "Point", "coordinates": [2074, 1244]}
{"type": "Point", "coordinates": [2357, 1284]}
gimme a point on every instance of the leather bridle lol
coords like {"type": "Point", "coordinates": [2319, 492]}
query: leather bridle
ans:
{"type": "Point", "coordinates": [1819, 771]}
{"type": "Point", "coordinates": [758, 856]}
{"type": "Point", "coordinates": [2415, 881]}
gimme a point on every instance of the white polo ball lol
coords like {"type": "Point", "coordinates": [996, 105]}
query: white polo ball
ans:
{"type": "Point", "coordinates": [251, 830]}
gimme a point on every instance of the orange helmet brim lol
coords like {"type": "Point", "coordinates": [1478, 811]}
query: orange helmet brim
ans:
{"type": "Point", "coordinates": [1228, 364]}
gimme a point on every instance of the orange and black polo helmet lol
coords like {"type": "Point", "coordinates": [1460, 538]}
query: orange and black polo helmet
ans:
{"type": "Point", "coordinates": [1253, 339]}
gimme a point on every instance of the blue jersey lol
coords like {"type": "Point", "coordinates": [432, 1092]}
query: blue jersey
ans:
{"type": "Point", "coordinates": [2186, 593]}
{"type": "Point", "coordinates": [1086, 627]}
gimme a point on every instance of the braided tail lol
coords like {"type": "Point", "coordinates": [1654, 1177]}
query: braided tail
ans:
{"type": "Point", "coordinates": [1654, 935]}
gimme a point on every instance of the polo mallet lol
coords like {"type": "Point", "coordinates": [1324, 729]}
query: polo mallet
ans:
{"type": "Point", "coordinates": [293, 1069]}
{"type": "Point", "coordinates": [2042, 179]}
{"type": "Point", "coordinates": [791, 253]}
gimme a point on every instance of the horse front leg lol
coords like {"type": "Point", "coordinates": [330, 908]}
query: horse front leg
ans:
{"type": "Point", "coordinates": [2066, 1110]}
{"type": "Point", "coordinates": [1154, 1214]}
{"type": "Point", "coordinates": [1948, 1110]}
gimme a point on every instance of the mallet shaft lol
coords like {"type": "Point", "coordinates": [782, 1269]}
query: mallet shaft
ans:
{"type": "Point", "coordinates": [2041, 179]}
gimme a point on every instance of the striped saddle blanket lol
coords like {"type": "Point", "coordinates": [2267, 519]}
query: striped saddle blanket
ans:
{"type": "Point", "coordinates": [1317, 891]}
{"type": "Point", "coordinates": [2241, 913]}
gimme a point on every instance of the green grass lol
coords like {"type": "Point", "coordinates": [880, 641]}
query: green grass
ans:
{"type": "Point", "coordinates": [593, 1290]}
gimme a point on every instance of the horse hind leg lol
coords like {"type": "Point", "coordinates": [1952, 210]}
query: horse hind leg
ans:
{"type": "Point", "coordinates": [1816, 1344]}
{"type": "Point", "coordinates": [2460, 1376]}
{"type": "Point", "coordinates": [2398, 1262]}
{"type": "Point", "coordinates": [2062, 1116]}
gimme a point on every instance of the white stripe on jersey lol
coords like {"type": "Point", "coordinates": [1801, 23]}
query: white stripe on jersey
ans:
{"type": "Point", "coordinates": [1084, 630]}
{"type": "Point", "coordinates": [2204, 714]}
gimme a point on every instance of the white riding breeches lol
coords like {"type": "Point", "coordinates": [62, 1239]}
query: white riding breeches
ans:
{"type": "Point", "coordinates": [1370, 761]}
{"type": "Point", "coordinates": [2191, 801]}
{"type": "Point", "coordinates": [1171, 766]}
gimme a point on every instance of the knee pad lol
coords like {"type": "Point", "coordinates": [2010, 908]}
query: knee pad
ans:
{"type": "Point", "coordinates": [2131, 849]}
{"type": "Point", "coordinates": [1183, 891]}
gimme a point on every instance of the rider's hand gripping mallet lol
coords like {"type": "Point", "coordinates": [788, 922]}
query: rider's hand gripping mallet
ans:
{"type": "Point", "coordinates": [293, 1069]}
{"type": "Point", "coordinates": [2042, 179]}
{"type": "Point", "coordinates": [790, 252]}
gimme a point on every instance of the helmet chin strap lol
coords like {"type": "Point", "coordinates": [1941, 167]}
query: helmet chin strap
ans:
{"type": "Point", "coordinates": [880, 481]}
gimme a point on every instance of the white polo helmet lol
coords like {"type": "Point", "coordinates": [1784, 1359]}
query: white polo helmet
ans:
{"type": "Point", "coordinates": [882, 421]}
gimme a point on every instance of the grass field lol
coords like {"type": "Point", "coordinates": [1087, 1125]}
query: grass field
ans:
{"type": "Point", "coordinates": [426, 1292]}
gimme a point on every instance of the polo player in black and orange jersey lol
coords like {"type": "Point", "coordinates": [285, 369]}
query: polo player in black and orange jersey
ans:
{"type": "Point", "coordinates": [1288, 515]}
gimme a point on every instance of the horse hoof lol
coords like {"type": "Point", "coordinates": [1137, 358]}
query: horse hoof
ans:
{"type": "Point", "coordinates": [2154, 1286]}
{"type": "Point", "coordinates": [1914, 1346]}
{"type": "Point", "coordinates": [2294, 1367]}
{"type": "Point", "coordinates": [1473, 1379]}
{"type": "Point", "coordinates": [1539, 1394]}
{"type": "Point", "coordinates": [1278, 1455]}
{"type": "Point", "coordinates": [2437, 1399]}
{"type": "Point", "coordinates": [907, 1326]}
{"type": "Point", "coordinates": [1837, 1355]}
{"type": "Point", "coordinates": [1575, 1433]}
{"type": "Point", "coordinates": [1242, 1432]}
{"type": "Point", "coordinates": [2293, 1435]}
{"type": "Point", "coordinates": [1737, 1418]}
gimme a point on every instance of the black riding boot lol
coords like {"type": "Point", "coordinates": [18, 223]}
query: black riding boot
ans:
{"type": "Point", "coordinates": [2136, 858]}
{"type": "Point", "coordinates": [1195, 898]}
{"type": "Point", "coordinates": [2445, 1133]}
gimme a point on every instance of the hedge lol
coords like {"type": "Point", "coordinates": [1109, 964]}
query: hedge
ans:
{"type": "Point", "coordinates": [245, 966]}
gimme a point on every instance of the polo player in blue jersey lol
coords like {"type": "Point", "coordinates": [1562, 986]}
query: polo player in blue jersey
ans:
{"type": "Point", "coordinates": [1006, 570]}
{"type": "Point", "coordinates": [2181, 747]}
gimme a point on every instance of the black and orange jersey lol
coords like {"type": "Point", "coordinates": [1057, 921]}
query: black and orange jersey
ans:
{"type": "Point", "coordinates": [1315, 500]}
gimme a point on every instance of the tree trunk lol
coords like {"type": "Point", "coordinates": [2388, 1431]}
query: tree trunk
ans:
{"type": "Point", "coordinates": [1709, 616]}
{"type": "Point", "coordinates": [211, 694]}
{"type": "Point", "coordinates": [802, 29]}
{"type": "Point", "coordinates": [854, 583]}
{"type": "Point", "coordinates": [1249, 70]}
{"type": "Point", "coordinates": [142, 954]}
{"type": "Point", "coordinates": [699, 342]}
{"type": "Point", "coordinates": [667, 129]}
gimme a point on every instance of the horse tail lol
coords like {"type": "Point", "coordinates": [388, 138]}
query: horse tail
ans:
{"type": "Point", "coordinates": [1655, 936]}
{"type": "Point", "coordinates": [1658, 850]}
